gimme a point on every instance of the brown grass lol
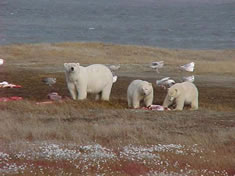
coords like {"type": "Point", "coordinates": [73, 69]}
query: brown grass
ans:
{"type": "Point", "coordinates": [111, 124]}
{"type": "Point", "coordinates": [52, 56]}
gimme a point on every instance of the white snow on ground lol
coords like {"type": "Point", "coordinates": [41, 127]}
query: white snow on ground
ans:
{"type": "Point", "coordinates": [7, 167]}
{"type": "Point", "coordinates": [97, 152]}
{"type": "Point", "coordinates": [97, 156]}
{"type": "Point", "coordinates": [138, 153]}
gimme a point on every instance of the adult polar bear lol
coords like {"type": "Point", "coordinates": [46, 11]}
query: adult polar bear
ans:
{"type": "Point", "coordinates": [137, 91]}
{"type": "Point", "coordinates": [95, 78]}
{"type": "Point", "coordinates": [181, 94]}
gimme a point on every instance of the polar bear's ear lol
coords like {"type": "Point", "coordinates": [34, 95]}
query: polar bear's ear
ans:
{"type": "Point", "coordinates": [65, 65]}
{"type": "Point", "coordinates": [78, 64]}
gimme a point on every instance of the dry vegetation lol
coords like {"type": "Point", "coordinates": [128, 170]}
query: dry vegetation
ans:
{"type": "Point", "coordinates": [63, 138]}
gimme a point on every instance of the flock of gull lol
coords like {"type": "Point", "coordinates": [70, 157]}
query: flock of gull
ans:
{"type": "Point", "coordinates": [165, 82]}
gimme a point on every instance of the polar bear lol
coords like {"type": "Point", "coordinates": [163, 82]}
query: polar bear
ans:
{"type": "Point", "coordinates": [137, 91]}
{"type": "Point", "coordinates": [181, 94]}
{"type": "Point", "coordinates": [96, 78]}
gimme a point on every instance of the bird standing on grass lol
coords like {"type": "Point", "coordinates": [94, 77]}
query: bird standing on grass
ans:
{"type": "Point", "coordinates": [49, 81]}
{"type": "Point", "coordinates": [115, 78]}
{"type": "Point", "coordinates": [157, 65]}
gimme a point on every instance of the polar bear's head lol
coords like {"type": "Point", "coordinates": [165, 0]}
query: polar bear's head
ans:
{"type": "Point", "coordinates": [173, 92]}
{"type": "Point", "coordinates": [71, 67]}
{"type": "Point", "coordinates": [147, 88]}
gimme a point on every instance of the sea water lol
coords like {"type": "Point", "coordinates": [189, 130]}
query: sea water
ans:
{"type": "Point", "coordinates": [191, 24]}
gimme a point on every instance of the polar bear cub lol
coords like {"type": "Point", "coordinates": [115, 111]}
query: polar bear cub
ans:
{"type": "Point", "coordinates": [137, 91]}
{"type": "Point", "coordinates": [96, 78]}
{"type": "Point", "coordinates": [181, 94]}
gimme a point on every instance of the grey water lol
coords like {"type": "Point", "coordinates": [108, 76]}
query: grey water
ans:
{"type": "Point", "coordinates": [189, 24]}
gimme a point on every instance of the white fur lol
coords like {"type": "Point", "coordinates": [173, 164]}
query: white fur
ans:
{"type": "Point", "coordinates": [96, 78]}
{"type": "Point", "coordinates": [137, 91]}
{"type": "Point", "coordinates": [181, 94]}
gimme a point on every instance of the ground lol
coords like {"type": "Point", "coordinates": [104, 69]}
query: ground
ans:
{"type": "Point", "coordinates": [107, 138]}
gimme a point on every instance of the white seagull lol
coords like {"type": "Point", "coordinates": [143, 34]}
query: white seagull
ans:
{"type": "Point", "coordinates": [114, 67]}
{"type": "Point", "coordinates": [1, 61]}
{"type": "Point", "coordinates": [188, 67]}
{"type": "Point", "coordinates": [189, 79]}
{"type": "Point", "coordinates": [115, 78]}
{"type": "Point", "coordinates": [157, 65]}
{"type": "Point", "coordinates": [165, 82]}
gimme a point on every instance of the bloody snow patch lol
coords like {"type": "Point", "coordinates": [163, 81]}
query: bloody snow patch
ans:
{"type": "Point", "coordinates": [35, 158]}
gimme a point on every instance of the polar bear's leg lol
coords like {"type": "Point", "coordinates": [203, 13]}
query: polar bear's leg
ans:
{"type": "Point", "coordinates": [129, 101]}
{"type": "Point", "coordinates": [72, 90]}
{"type": "Point", "coordinates": [194, 104]}
{"type": "Point", "coordinates": [179, 104]}
{"type": "Point", "coordinates": [106, 92]}
{"type": "Point", "coordinates": [136, 101]}
{"type": "Point", "coordinates": [166, 102]}
{"type": "Point", "coordinates": [148, 100]}
{"type": "Point", "coordinates": [82, 92]}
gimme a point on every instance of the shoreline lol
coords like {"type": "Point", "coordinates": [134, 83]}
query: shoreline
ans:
{"type": "Point", "coordinates": [116, 44]}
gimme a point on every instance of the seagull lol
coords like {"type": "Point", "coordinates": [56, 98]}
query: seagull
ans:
{"type": "Point", "coordinates": [49, 81]}
{"type": "Point", "coordinates": [157, 65]}
{"type": "Point", "coordinates": [188, 67]}
{"type": "Point", "coordinates": [189, 79]}
{"type": "Point", "coordinates": [115, 78]}
{"type": "Point", "coordinates": [114, 67]}
{"type": "Point", "coordinates": [1, 61]}
{"type": "Point", "coordinates": [165, 82]}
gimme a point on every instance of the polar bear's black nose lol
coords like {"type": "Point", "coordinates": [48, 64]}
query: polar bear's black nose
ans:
{"type": "Point", "coordinates": [72, 69]}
